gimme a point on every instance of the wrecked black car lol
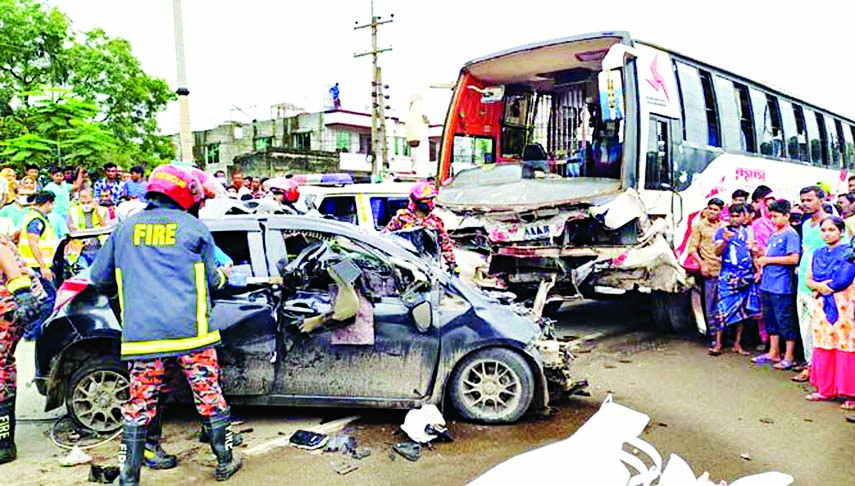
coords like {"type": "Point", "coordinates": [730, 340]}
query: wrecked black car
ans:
{"type": "Point", "coordinates": [330, 316]}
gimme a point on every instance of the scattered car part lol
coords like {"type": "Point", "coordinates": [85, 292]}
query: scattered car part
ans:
{"type": "Point", "coordinates": [305, 439]}
{"type": "Point", "coordinates": [418, 422]}
{"type": "Point", "coordinates": [410, 451]}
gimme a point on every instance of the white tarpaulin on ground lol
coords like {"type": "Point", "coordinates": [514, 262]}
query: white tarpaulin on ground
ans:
{"type": "Point", "coordinates": [596, 455]}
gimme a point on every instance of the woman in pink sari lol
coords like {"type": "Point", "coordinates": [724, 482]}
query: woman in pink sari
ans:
{"type": "Point", "coordinates": [832, 279]}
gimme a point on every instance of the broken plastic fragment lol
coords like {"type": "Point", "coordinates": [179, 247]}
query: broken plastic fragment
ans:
{"type": "Point", "coordinates": [75, 458]}
{"type": "Point", "coordinates": [409, 450]}
{"type": "Point", "coordinates": [422, 424]}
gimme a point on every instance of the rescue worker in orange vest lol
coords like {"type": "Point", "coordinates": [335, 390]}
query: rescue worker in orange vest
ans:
{"type": "Point", "coordinates": [162, 261]}
{"type": "Point", "coordinates": [19, 293]}
{"type": "Point", "coordinates": [38, 239]}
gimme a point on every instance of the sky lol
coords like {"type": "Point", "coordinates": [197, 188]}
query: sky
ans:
{"type": "Point", "coordinates": [244, 56]}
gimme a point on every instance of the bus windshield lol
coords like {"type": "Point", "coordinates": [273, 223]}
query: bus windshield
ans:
{"type": "Point", "coordinates": [547, 109]}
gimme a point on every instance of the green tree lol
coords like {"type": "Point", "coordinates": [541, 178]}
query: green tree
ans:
{"type": "Point", "coordinates": [39, 49]}
{"type": "Point", "coordinates": [58, 128]}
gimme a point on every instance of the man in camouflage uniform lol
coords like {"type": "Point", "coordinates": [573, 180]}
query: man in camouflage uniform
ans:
{"type": "Point", "coordinates": [162, 261]}
{"type": "Point", "coordinates": [419, 214]}
{"type": "Point", "coordinates": [19, 291]}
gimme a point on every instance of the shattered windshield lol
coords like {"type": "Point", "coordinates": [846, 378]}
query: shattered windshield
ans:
{"type": "Point", "coordinates": [488, 175]}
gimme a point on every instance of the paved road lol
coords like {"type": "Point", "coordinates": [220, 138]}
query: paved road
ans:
{"type": "Point", "coordinates": [709, 410]}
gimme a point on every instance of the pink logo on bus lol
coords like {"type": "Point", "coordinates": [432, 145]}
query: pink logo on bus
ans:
{"type": "Point", "coordinates": [658, 82]}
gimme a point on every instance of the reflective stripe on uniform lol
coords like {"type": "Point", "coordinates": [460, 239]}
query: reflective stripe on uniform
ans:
{"type": "Point", "coordinates": [121, 296]}
{"type": "Point", "coordinates": [47, 241]}
{"type": "Point", "coordinates": [169, 345]}
{"type": "Point", "coordinates": [201, 298]}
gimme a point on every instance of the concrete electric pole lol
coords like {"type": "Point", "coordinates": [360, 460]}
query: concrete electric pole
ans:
{"type": "Point", "coordinates": [185, 134]}
{"type": "Point", "coordinates": [378, 100]}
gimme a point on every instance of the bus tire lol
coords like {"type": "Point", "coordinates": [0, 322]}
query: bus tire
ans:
{"type": "Point", "coordinates": [672, 312]}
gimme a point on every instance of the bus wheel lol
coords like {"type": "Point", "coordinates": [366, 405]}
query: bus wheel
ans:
{"type": "Point", "coordinates": [672, 312]}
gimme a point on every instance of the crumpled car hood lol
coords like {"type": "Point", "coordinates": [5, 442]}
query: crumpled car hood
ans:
{"type": "Point", "coordinates": [527, 194]}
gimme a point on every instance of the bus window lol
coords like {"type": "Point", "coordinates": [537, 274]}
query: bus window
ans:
{"type": "Point", "coordinates": [849, 136]}
{"type": "Point", "coordinates": [835, 143]}
{"type": "Point", "coordinates": [692, 96]}
{"type": "Point", "coordinates": [471, 151]}
{"type": "Point", "coordinates": [713, 133]}
{"type": "Point", "coordinates": [818, 138]}
{"type": "Point", "coordinates": [728, 113]}
{"type": "Point", "coordinates": [659, 168]}
{"type": "Point", "coordinates": [746, 118]}
{"type": "Point", "coordinates": [772, 131]}
{"type": "Point", "coordinates": [799, 143]}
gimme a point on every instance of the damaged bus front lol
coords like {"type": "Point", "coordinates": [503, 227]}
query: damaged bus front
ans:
{"type": "Point", "coordinates": [539, 173]}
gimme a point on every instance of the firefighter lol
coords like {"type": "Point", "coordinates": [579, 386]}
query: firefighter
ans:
{"type": "Point", "coordinates": [19, 293]}
{"type": "Point", "coordinates": [162, 261]}
{"type": "Point", "coordinates": [284, 194]}
{"type": "Point", "coordinates": [419, 214]}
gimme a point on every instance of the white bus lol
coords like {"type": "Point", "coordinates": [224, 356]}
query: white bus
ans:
{"type": "Point", "coordinates": [575, 166]}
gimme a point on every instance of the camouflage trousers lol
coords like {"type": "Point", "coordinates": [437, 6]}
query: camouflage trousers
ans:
{"type": "Point", "coordinates": [202, 372]}
{"type": "Point", "coordinates": [10, 335]}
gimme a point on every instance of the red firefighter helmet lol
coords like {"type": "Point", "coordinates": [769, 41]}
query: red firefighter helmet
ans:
{"type": "Point", "coordinates": [289, 187]}
{"type": "Point", "coordinates": [210, 187]}
{"type": "Point", "coordinates": [179, 183]}
{"type": "Point", "coordinates": [423, 190]}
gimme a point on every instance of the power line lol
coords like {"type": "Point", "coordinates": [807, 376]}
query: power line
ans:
{"type": "Point", "coordinates": [378, 99]}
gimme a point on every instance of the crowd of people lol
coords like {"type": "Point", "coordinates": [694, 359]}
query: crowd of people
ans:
{"type": "Point", "coordinates": [785, 269]}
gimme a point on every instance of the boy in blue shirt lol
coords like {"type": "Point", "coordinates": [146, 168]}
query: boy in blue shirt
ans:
{"type": "Point", "coordinates": [778, 287]}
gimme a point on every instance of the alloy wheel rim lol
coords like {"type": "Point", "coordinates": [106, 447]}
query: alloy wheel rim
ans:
{"type": "Point", "coordinates": [491, 387]}
{"type": "Point", "coordinates": [97, 400]}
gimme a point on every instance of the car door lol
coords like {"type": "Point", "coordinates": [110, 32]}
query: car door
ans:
{"type": "Point", "coordinates": [245, 316]}
{"type": "Point", "coordinates": [400, 363]}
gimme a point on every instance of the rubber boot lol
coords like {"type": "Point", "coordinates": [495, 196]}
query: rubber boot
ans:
{"type": "Point", "coordinates": [154, 456]}
{"type": "Point", "coordinates": [220, 428]}
{"type": "Point", "coordinates": [8, 452]}
{"type": "Point", "coordinates": [131, 454]}
{"type": "Point", "coordinates": [205, 436]}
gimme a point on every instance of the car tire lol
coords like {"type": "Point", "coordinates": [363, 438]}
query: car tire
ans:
{"type": "Point", "coordinates": [493, 386]}
{"type": "Point", "coordinates": [672, 312]}
{"type": "Point", "coordinates": [96, 393]}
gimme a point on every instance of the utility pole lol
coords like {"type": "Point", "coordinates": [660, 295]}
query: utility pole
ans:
{"type": "Point", "coordinates": [183, 93]}
{"type": "Point", "coordinates": [378, 100]}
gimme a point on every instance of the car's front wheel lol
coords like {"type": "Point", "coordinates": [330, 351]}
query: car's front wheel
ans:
{"type": "Point", "coordinates": [494, 385]}
{"type": "Point", "coordinates": [96, 393]}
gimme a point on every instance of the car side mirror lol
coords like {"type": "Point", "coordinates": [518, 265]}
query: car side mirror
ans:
{"type": "Point", "coordinates": [423, 315]}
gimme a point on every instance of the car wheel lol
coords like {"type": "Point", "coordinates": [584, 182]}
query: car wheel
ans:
{"type": "Point", "coordinates": [494, 385]}
{"type": "Point", "coordinates": [96, 393]}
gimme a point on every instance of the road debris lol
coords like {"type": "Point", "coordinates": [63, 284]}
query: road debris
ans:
{"type": "Point", "coordinates": [343, 466]}
{"type": "Point", "coordinates": [766, 420]}
{"type": "Point", "coordinates": [410, 451]}
{"type": "Point", "coordinates": [327, 428]}
{"type": "Point", "coordinates": [103, 474]}
{"type": "Point", "coordinates": [746, 456]}
{"type": "Point", "coordinates": [305, 439]}
{"type": "Point", "coordinates": [425, 424]}
{"type": "Point", "coordinates": [75, 458]}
